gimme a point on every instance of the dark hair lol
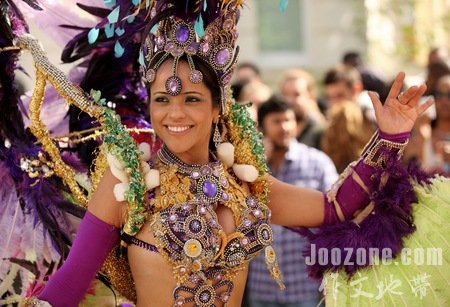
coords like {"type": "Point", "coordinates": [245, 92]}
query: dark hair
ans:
{"type": "Point", "coordinates": [340, 73]}
{"type": "Point", "coordinates": [275, 104]}
{"type": "Point", "coordinates": [351, 58]}
{"type": "Point", "coordinates": [250, 66]}
{"type": "Point", "coordinates": [209, 75]}
{"type": "Point", "coordinates": [236, 89]}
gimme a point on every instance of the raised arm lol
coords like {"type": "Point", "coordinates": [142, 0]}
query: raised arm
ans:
{"type": "Point", "coordinates": [293, 206]}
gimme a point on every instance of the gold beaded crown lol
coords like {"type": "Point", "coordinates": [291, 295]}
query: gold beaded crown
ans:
{"type": "Point", "coordinates": [201, 28]}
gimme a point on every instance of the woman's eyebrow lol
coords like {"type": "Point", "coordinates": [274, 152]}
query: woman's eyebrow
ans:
{"type": "Point", "coordinates": [192, 92]}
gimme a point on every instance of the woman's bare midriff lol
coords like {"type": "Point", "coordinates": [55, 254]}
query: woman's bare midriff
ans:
{"type": "Point", "coordinates": [153, 274]}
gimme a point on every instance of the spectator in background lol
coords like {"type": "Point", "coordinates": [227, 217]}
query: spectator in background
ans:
{"type": "Point", "coordinates": [255, 92]}
{"type": "Point", "coordinates": [437, 54]}
{"type": "Point", "coordinates": [432, 139]}
{"type": "Point", "coordinates": [372, 80]}
{"type": "Point", "coordinates": [347, 134]}
{"type": "Point", "coordinates": [343, 83]}
{"type": "Point", "coordinates": [350, 126]}
{"type": "Point", "coordinates": [298, 87]}
{"type": "Point", "coordinates": [301, 165]}
{"type": "Point", "coordinates": [247, 71]}
{"type": "Point", "coordinates": [435, 70]}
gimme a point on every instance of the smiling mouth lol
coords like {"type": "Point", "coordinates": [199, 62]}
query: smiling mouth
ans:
{"type": "Point", "coordinates": [178, 129]}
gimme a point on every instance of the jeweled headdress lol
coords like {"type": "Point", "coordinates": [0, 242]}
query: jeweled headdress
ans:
{"type": "Point", "coordinates": [207, 31]}
{"type": "Point", "coordinates": [172, 28]}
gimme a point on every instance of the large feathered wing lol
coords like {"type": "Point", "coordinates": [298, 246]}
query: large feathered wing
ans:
{"type": "Point", "coordinates": [418, 276]}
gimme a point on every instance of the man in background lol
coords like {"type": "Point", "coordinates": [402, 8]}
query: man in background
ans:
{"type": "Point", "coordinates": [301, 165]}
{"type": "Point", "coordinates": [298, 88]}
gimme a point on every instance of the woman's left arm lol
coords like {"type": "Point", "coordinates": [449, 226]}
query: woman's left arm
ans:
{"type": "Point", "coordinates": [293, 206]}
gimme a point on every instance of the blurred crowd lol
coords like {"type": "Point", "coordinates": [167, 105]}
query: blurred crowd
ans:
{"type": "Point", "coordinates": [313, 128]}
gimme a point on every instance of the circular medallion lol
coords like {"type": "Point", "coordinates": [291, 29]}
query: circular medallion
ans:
{"type": "Point", "coordinates": [194, 226]}
{"type": "Point", "coordinates": [196, 76]}
{"type": "Point", "coordinates": [209, 189]}
{"type": "Point", "coordinates": [264, 234]}
{"type": "Point", "coordinates": [192, 248]}
{"type": "Point", "coordinates": [173, 85]}
{"type": "Point", "coordinates": [205, 296]}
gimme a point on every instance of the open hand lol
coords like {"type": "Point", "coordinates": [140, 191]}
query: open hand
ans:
{"type": "Point", "coordinates": [400, 111]}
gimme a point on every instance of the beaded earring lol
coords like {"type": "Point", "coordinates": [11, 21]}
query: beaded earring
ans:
{"type": "Point", "coordinates": [217, 138]}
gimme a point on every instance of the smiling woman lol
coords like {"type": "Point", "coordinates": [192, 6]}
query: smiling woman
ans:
{"type": "Point", "coordinates": [183, 122]}
{"type": "Point", "coordinates": [193, 215]}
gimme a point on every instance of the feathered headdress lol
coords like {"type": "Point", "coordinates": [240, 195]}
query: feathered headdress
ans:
{"type": "Point", "coordinates": [202, 28]}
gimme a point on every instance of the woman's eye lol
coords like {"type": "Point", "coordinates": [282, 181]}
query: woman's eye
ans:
{"type": "Point", "coordinates": [192, 99]}
{"type": "Point", "coordinates": [161, 99]}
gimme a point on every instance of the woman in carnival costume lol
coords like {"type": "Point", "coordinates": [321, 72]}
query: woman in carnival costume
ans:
{"type": "Point", "coordinates": [193, 215]}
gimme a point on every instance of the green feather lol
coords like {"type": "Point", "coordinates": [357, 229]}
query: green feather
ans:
{"type": "Point", "coordinates": [432, 218]}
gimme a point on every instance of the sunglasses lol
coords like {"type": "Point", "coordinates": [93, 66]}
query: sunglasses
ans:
{"type": "Point", "coordinates": [440, 95]}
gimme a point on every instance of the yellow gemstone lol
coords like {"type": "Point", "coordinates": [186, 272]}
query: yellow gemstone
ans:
{"type": "Point", "coordinates": [270, 254]}
{"type": "Point", "coordinates": [192, 248]}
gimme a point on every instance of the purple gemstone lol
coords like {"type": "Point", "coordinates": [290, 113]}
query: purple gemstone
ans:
{"type": "Point", "coordinates": [227, 78]}
{"type": "Point", "coordinates": [225, 196]}
{"type": "Point", "coordinates": [191, 50]}
{"type": "Point", "coordinates": [170, 47]}
{"type": "Point", "coordinates": [160, 41]}
{"type": "Point", "coordinates": [204, 47]}
{"type": "Point", "coordinates": [150, 75]}
{"type": "Point", "coordinates": [177, 52]}
{"type": "Point", "coordinates": [182, 34]}
{"type": "Point", "coordinates": [206, 170]}
{"type": "Point", "coordinates": [196, 76]}
{"type": "Point", "coordinates": [173, 85]}
{"type": "Point", "coordinates": [222, 56]}
{"type": "Point", "coordinates": [209, 188]}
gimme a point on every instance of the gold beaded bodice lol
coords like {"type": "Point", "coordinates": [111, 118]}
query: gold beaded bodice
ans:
{"type": "Point", "coordinates": [188, 235]}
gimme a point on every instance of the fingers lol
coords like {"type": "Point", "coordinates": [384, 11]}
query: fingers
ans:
{"type": "Point", "coordinates": [423, 107]}
{"type": "Point", "coordinates": [412, 95]}
{"type": "Point", "coordinates": [396, 86]}
{"type": "Point", "coordinates": [377, 105]}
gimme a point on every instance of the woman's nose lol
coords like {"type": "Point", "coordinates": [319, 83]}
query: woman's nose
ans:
{"type": "Point", "coordinates": [176, 111]}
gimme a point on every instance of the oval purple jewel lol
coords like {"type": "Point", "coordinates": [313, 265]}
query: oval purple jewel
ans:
{"type": "Point", "coordinates": [182, 34]}
{"type": "Point", "coordinates": [222, 56]}
{"type": "Point", "coordinates": [173, 85]}
{"type": "Point", "coordinates": [209, 188]}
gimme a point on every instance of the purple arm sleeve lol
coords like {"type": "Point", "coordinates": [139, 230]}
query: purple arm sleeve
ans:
{"type": "Point", "coordinates": [350, 195]}
{"type": "Point", "coordinates": [94, 240]}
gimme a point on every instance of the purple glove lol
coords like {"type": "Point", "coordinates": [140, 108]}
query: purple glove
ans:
{"type": "Point", "coordinates": [94, 240]}
{"type": "Point", "coordinates": [350, 193]}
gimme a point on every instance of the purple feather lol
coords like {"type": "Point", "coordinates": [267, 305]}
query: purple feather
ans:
{"type": "Point", "coordinates": [390, 222]}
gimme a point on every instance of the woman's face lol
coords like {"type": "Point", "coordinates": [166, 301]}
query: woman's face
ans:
{"type": "Point", "coordinates": [183, 122]}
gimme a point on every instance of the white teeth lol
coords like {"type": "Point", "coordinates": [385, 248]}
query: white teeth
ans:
{"type": "Point", "coordinates": [177, 128]}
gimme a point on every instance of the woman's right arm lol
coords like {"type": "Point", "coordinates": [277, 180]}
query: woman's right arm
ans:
{"type": "Point", "coordinates": [97, 234]}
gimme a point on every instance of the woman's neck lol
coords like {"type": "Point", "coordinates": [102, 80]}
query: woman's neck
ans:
{"type": "Point", "coordinates": [191, 158]}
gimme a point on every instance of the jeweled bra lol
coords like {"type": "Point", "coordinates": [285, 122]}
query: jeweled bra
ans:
{"type": "Point", "coordinates": [189, 236]}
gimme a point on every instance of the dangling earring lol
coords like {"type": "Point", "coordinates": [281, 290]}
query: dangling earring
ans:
{"type": "Point", "coordinates": [217, 138]}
